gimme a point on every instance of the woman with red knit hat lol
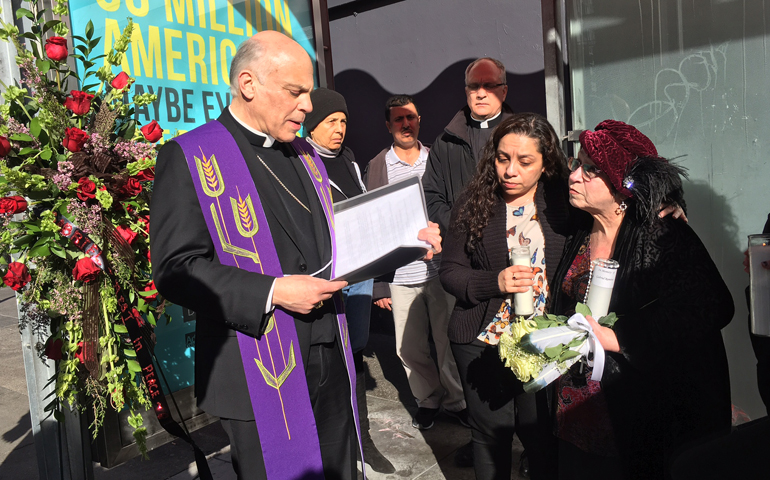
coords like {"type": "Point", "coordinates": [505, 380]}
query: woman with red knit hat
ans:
{"type": "Point", "coordinates": [665, 381]}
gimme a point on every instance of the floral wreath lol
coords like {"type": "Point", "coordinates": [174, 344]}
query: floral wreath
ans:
{"type": "Point", "coordinates": [76, 176]}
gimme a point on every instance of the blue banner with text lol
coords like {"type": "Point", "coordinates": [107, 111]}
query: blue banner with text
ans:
{"type": "Point", "coordinates": [181, 49]}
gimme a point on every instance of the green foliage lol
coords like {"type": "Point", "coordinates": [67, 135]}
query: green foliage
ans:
{"type": "Point", "coordinates": [140, 435]}
{"type": "Point", "coordinates": [583, 309]}
{"type": "Point", "coordinates": [566, 355]}
{"type": "Point", "coordinates": [554, 352]}
{"type": "Point", "coordinates": [608, 320]}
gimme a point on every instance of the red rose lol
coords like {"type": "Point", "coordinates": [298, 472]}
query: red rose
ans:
{"type": "Point", "coordinates": [148, 288]}
{"type": "Point", "coordinates": [5, 146]}
{"type": "Point", "coordinates": [86, 189]}
{"type": "Point", "coordinates": [79, 102]}
{"type": "Point", "coordinates": [74, 138]}
{"type": "Point", "coordinates": [12, 205]}
{"type": "Point", "coordinates": [56, 48]}
{"type": "Point", "coordinates": [131, 188]}
{"type": "Point", "coordinates": [152, 131]}
{"type": "Point", "coordinates": [127, 234]}
{"type": "Point", "coordinates": [17, 276]}
{"type": "Point", "coordinates": [86, 270]}
{"type": "Point", "coordinates": [53, 348]}
{"type": "Point", "coordinates": [79, 354]}
{"type": "Point", "coordinates": [146, 175]}
{"type": "Point", "coordinates": [120, 81]}
{"type": "Point", "coordinates": [149, 259]}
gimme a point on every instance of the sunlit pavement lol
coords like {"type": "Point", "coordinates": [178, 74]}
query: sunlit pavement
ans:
{"type": "Point", "coordinates": [425, 454]}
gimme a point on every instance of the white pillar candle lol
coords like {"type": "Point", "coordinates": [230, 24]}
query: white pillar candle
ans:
{"type": "Point", "coordinates": [523, 303]}
{"type": "Point", "coordinates": [759, 251]}
{"type": "Point", "coordinates": [600, 289]}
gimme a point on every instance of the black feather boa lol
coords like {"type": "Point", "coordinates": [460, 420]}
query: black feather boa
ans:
{"type": "Point", "coordinates": [655, 183]}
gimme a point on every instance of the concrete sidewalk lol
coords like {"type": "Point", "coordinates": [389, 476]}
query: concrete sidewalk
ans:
{"type": "Point", "coordinates": [426, 454]}
{"type": "Point", "coordinates": [17, 449]}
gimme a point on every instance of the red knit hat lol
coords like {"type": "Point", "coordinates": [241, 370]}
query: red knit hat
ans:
{"type": "Point", "coordinates": [615, 146]}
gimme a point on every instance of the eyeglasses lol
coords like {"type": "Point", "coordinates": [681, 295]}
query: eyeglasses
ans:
{"type": "Point", "coordinates": [475, 87]}
{"type": "Point", "coordinates": [589, 171]}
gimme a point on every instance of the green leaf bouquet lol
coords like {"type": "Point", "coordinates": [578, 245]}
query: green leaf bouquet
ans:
{"type": "Point", "coordinates": [539, 350]}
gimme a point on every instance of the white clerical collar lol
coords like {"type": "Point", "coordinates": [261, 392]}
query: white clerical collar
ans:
{"type": "Point", "coordinates": [323, 151]}
{"type": "Point", "coordinates": [485, 123]}
{"type": "Point", "coordinates": [269, 141]}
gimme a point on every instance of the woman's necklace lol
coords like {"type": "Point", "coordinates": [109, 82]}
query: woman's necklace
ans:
{"type": "Point", "coordinates": [590, 267]}
{"type": "Point", "coordinates": [281, 183]}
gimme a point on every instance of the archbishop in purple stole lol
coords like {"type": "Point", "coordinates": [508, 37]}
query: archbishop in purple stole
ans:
{"type": "Point", "coordinates": [234, 208]}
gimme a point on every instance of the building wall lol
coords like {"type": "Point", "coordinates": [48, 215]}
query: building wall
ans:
{"type": "Point", "coordinates": [421, 48]}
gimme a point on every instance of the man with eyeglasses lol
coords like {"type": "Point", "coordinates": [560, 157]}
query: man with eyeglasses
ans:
{"type": "Point", "coordinates": [455, 153]}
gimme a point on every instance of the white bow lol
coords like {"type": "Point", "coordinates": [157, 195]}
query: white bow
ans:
{"type": "Point", "coordinates": [578, 321]}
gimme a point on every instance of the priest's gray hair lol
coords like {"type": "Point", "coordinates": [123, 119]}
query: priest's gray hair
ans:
{"type": "Point", "coordinates": [253, 55]}
{"type": "Point", "coordinates": [497, 63]}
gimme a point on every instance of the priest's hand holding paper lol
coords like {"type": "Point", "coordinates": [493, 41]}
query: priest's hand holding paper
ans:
{"type": "Point", "coordinates": [432, 235]}
{"type": "Point", "coordinates": [515, 279]}
{"type": "Point", "coordinates": [606, 336]}
{"type": "Point", "coordinates": [303, 293]}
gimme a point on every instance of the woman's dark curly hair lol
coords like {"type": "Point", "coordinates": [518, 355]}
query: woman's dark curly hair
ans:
{"type": "Point", "coordinates": [484, 189]}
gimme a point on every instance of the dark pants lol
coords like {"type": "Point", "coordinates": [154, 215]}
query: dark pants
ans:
{"type": "Point", "coordinates": [329, 390]}
{"type": "Point", "coordinates": [498, 407]}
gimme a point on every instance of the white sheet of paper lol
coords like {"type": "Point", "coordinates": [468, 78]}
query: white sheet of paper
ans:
{"type": "Point", "coordinates": [377, 227]}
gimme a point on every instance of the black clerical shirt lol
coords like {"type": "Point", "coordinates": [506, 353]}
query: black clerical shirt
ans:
{"type": "Point", "coordinates": [480, 136]}
{"type": "Point", "coordinates": [310, 227]}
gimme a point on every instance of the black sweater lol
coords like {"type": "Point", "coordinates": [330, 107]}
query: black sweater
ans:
{"type": "Point", "coordinates": [343, 174]}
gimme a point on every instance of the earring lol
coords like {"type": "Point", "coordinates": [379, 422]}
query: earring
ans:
{"type": "Point", "coordinates": [621, 208]}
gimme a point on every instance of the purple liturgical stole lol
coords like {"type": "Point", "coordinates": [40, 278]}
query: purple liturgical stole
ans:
{"type": "Point", "coordinates": [273, 363]}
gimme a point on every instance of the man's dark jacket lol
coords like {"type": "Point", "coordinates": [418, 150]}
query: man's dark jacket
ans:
{"type": "Point", "coordinates": [450, 167]}
{"type": "Point", "coordinates": [227, 300]}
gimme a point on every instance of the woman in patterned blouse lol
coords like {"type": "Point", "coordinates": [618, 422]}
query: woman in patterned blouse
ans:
{"type": "Point", "coordinates": [518, 197]}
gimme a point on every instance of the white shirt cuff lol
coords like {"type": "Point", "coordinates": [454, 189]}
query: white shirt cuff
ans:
{"type": "Point", "coordinates": [269, 307]}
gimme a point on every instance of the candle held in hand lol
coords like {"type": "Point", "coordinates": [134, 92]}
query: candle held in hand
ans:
{"type": "Point", "coordinates": [759, 251]}
{"type": "Point", "coordinates": [600, 290]}
{"type": "Point", "coordinates": [523, 303]}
